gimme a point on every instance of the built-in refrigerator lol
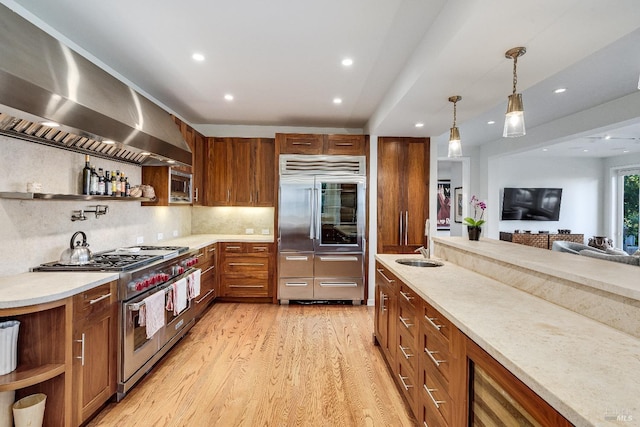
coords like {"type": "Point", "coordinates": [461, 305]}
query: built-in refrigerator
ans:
{"type": "Point", "coordinates": [321, 218]}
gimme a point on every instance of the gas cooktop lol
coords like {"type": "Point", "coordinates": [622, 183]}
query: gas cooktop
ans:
{"type": "Point", "coordinates": [121, 259]}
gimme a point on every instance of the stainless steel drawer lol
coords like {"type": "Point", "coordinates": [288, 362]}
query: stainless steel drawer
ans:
{"type": "Point", "coordinates": [295, 288]}
{"type": "Point", "coordinates": [295, 264]}
{"type": "Point", "coordinates": [344, 288]}
{"type": "Point", "coordinates": [334, 265]}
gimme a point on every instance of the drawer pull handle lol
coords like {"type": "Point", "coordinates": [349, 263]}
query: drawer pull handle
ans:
{"type": "Point", "coordinates": [233, 247]}
{"type": "Point", "coordinates": [247, 264]}
{"type": "Point", "coordinates": [301, 143]}
{"type": "Point", "coordinates": [381, 271]}
{"type": "Point", "coordinates": [433, 359]}
{"type": "Point", "coordinates": [204, 297]}
{"type": "Point", "coordinates": [434, 324]}
{"type": "Point", "coordinates": [259, 248]}
{"type": "Point", "coordinates": [296, 258]}
{"type": "Point", "coordinates": [212, 250]}
{"type": "Point", "coordinates": [433, 399]}
{"type": "Point", "coordinates": [338, 258]}
{"type": "Point", "coordinates": [344, 144]}
{"type": "Point", "coordinates": [404, 353]}
{"type": "Point", "coordinates": [404, 322]}
{"type": "Point", "coordinates": [404, 384]}
{"type": "Point", "coordinates": [339, 285]}
{"type": "Point", "coordinates": [246, 286]}
{"type": "Point", "coordinates": [301, 284]}
{"type": "Point", "coordinates": [208, 269]}
{"type": "Point", "coordinates": [93, 301]}
{"type": "Point", "coordinates": [406, 296]}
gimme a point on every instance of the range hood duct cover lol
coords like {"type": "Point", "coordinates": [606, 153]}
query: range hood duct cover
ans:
{"type": "Point", "coordinates": [42, 79]}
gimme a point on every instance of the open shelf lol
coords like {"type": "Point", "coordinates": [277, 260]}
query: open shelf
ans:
{"type": "Point", "coordinates": [48, 196]}
{"type": "Point", "coordinates": [28, 376]}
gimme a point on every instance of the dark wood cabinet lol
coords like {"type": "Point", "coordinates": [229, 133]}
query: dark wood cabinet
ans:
{"type": "Point", "coordinates": [329, 144]}
{"type": "Point", "coordinates": [95, 349]}
{"type": "Point", "coordinates": [403, 193]}
{"type": "Point", "coordinates": [207, 262]}
{"type": "Point", "coordinates": [241, 172]}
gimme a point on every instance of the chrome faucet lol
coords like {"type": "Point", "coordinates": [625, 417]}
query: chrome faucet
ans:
{"type": "Point", "coordinates": [423, 251]}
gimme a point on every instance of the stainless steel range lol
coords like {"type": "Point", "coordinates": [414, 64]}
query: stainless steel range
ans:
{"type": "Point", "coordinates": [143, 271]}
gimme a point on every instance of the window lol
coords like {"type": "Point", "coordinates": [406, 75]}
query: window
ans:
{"type": "Point", "coordinates": [629, 208]}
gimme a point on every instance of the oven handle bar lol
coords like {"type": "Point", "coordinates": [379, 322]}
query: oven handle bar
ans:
{"type": "Point", "coordinates": [135, 306]}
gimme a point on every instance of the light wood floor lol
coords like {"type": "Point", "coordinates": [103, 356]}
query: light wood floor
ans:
{"type": "Point", "coordinates": [268, 365]}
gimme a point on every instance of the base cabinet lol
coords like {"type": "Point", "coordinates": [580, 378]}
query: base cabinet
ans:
{"type": "Point", "coordinates": [247, 270]}
{"type": "Point", "coordinates": [94, 349]}
{"type": "Point", "coordinates": [207, 260]}
{"type": "Point", "coordinates": [445, 377]}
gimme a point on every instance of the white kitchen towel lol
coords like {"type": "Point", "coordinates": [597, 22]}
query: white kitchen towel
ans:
{"type": "Point", "coordinates": [152, 313]}
{"type": "Point", "coordinates": [180, 296]}
{"type": "Point", "coordinates": [194, 284]}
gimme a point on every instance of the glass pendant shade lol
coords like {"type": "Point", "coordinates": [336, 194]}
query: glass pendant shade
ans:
{"type": "Point", "coordinates": [455, 148]}
{"type": "Point", "coordinates": [514, 119]}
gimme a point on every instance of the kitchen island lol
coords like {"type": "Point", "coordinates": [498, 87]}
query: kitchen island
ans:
{"type": "Point", "coordinates": [585, 369]}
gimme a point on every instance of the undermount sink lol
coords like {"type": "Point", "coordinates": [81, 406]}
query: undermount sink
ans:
{"type": "Point", "coordinates": [414, 262]}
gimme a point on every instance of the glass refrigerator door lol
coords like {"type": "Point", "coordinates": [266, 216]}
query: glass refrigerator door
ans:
{"type": "Point", "coordinates": [340, 214]}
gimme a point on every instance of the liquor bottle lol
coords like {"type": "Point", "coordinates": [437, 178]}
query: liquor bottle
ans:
{"type": "Point", "coordinates": [93, 186]}
{"type": "Point", "coordinates": [122, 185]}
{"type": "Point", "coordinates": [127, 187]}
{"type": "Point", "coordinates": [107, 184]}
{"type": "Point", "coordinates": [86, 176]}
{"type": "Point", "coordinates": [101, 189]}
{"type": "Point", "coordinates": [114, 186]}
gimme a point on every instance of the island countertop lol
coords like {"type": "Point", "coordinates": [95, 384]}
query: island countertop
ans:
{"type": "Point", "coordinates": [588, 371]}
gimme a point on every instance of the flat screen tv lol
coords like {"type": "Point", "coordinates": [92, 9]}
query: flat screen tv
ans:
{"type": "Point", "coordinates": [531, 204]}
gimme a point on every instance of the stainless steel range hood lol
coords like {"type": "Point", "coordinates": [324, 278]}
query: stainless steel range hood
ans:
{"type": "Point", "coordinates": [41, 80]}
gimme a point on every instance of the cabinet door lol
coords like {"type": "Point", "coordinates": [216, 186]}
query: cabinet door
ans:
{"type": "Point", "coordinates": [416, 188]}
{"type": "Point", "coordinates": [218, 192]}
{"type": "Point", "coordinates": [199, 168]}
{"type": "Point", "coordinates": [390, 195]}
{"type": "Point", "coordinates": [264, 163]}
{"type": "Point", "coordinates": [298, 143]}
{"type": "Point", "coordinates": [241, 173]}
{"type": "Point", "coordinates": [349, 145]}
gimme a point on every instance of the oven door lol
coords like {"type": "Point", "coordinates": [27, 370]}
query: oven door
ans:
{"type": "Point", "coordinates": [175, 323]}
{"type": "Point", "coordinates": [136, 349]}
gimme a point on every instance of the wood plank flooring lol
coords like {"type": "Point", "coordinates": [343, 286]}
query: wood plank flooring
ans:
{"type": "Point", "coordinates": [268, 365]}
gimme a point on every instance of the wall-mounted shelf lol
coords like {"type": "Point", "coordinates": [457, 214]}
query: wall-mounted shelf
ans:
{"type": "Point", "coordinates": [48, 196]}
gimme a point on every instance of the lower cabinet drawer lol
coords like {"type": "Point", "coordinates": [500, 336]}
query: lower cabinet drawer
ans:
{"type": "Point", "coordinates": [338, 265]}
{"type": "Point", "coordinates": [407, 379]}
{"type": "Point", "coordinates": [430, 417]}
{"type": "Point", "coordinates": [435, 352]}
{"type": "Point", "coordinates": [433, 394]}
{"type": "Point", "coordinates": [295, 288]}
{"type": "Point", "coordinates": [406, 349]}
{"type": "Point", "coordinates": [248, 264]}
{"type": "Point", "coordinates": [246, 287]}
{"type": "Point", "coordinates": [346, 288]}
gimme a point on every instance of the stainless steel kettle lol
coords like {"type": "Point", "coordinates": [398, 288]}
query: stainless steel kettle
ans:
{"type": "Point", "coordinates": [77, 253]}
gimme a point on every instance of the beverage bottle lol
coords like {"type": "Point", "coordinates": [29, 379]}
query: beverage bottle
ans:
{"type": "Point", "coordinates": [127, 187]}
{"type": "Point", "coordinates": [93, 188]}
{"type": "Point", "coordinates": [107, 184]}
{"type": "Point", "coordinates": [116, 184]}
{"type": "Point", "coordinates": [86, 176]}
{"type": "Point", "coordinates": [101, 188]}
{"type": "Point", "coordinates": [113, 184]}
{"type": "Point", "coordinates": [122, 185]}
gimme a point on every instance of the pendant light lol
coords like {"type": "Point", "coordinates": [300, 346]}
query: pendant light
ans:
{"type": "Point", "coordinates": [455, 148]}
{"type": "Point", "coordinates": [514, 120]}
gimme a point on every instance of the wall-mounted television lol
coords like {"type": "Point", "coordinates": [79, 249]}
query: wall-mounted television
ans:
{"type": "Point", "coordinates": [531, 204]}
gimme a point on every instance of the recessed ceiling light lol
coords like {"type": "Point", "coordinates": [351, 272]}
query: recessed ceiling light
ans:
{"type": "Point", "coordinates": [625, 151]}
{"type": "Point", "coordinates": [228, 97]}
{"type": "Point", "coordinates": [545, 149]}
{"type": "Point", "coordinates": [607, 137]}
{"type": "Point", "coordinates": [198, 57]}
{"type": "Point", "coordinates": [419, 125]}
{"type": "Point", "coordinates": [585, 151]}
{"type": "Point", "coordinates": [491, 122]}
{"type": "Point", "coordinates": [347, 62]}
{"type": "Point", "coordinates": [50, 124]}
{"type": "Point", "coordinates": [337, 100]}
{"type": "Point", "coordinates": [560, 90]}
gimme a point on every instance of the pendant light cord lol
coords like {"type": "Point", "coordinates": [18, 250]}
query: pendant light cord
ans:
{"type": "Point", "coordinates": [515, 75]}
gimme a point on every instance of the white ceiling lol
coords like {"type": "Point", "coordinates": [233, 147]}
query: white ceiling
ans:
{"type": "Point", "coordinates": [281, 59]}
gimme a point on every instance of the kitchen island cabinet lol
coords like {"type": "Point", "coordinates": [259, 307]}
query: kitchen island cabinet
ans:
{"type": "Point", "coordinates": [509, 341]}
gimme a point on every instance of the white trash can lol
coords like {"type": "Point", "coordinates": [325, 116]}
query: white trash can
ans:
{"type": "Point", "coordinates": [29, 411]}
{"type": "Point", "coordinates": [6, 402]}
{"type": "Point", "coordinates": [8, 346]}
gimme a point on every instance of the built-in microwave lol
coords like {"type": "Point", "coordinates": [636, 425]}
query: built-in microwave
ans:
{"type": "Point", "coordinates": [180, 187]}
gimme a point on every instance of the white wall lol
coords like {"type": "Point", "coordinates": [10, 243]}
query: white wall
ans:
{"type": "Point", "coordinates": [582, 182]}
{"type": "Point", "coordinates": [33, 232]}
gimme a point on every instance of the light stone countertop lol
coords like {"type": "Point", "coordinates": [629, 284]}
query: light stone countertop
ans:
{"type": "Point", "coordinates": [617, 278]}
{"type": "Point", "coordinates": [586, 370]}
{"type": "Point", "coordinates": [26, 289]}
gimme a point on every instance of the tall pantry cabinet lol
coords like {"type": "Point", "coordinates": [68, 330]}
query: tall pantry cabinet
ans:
{"type": "Point", "coordinates": [403, 193]}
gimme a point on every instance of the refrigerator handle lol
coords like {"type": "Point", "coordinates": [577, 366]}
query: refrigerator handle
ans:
{"type": "Point", "coordinates": [312, 216]}
{"type": "Point", "coordinates": [315, 219]}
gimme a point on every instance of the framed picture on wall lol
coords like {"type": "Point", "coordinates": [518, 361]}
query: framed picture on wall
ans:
{"type": "Point", "coordinates": [457, 205]}
{"type": "Point", "coordinates": [444, 205]}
